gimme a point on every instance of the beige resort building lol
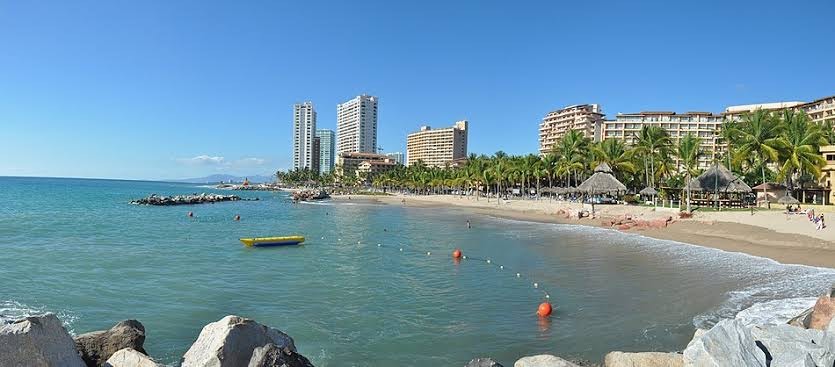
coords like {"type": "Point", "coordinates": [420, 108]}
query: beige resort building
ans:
{"type": "Point", "coordinates": [363, 165]}
{"type": "Point", "coordinates": [437, 147]}
{"type": "Point", "coordinates": [585, 117]}
{"type": "Point", "coordinates": [703, 125]}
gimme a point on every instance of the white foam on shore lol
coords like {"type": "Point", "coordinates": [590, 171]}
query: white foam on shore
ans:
{"type": "Point", "coordinates": [11, 311]}
{"type": "Point", "coordinates": [769, 290]}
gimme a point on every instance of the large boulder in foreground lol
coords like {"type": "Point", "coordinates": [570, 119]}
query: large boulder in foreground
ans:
{"type": "Point", "coordinates": [645, 359]}
{"type": "Point", "coordinates": [271, 355]}
{"type": "Point", "coordinates": [786, 345]}
{"type": "Point", "coordinates": [231, 341]}
{"type": "Point", "coordinates": [130, 358]}
{"type": "Point", "coordinates": [543, 360]}
{"type": "Point", "coordinates": [729, 343]}
{"type": "Point", "coordinates": [38, 341]}
{"type": "Point", "coordinates": [483, 362]}
{"type": "Point", "coordinates": [97, 346]}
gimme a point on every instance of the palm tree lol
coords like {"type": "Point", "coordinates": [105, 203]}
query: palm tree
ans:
{"type": "Point", "coordinates": [549, 166]}
{"type": "Point", "coordinates": [828, 132]}
{"type": "Point", "coordinates": [729, 134]}
{"type": "Point", "coordinates": [759, 136]}
{"type": "Point", "coordinates": [689, 151]}
{"type": "Point", "coordinates": [573, 148]}
{"type": "Point", "coordinates": [614, 153]}
{"type": "Point", "coordinates": [652, 141]}
{"type": "Point", "coordinates": [801, 145]}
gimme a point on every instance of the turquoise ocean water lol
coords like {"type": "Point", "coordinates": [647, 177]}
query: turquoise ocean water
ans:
{"type": "Point", "coordinates": [77, 248]}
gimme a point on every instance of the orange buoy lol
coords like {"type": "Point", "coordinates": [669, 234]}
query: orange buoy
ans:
{"type": "Point", "coordinates": [237, 217]}
{"type": "Point", "coordinates": [544, 309]}
{"type": "Point", "coordinates": [456, 254]}
{"type": "Point", "coordinates": [190, 214]}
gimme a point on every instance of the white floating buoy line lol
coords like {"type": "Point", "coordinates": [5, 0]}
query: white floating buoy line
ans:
{"type": "Point", "coordinates": [544, 310]}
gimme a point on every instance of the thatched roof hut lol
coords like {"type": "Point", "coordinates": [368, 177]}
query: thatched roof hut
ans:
{"type": "Point", "coordinates": [718, 179]}
{"type": "Point", "coordinates": [648, 191]}
{"type": "Point", "coordinates": [601, 182]}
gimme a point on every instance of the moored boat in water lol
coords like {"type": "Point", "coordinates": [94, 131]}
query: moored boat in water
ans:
{"type": "Point", "coordinates": [272, 241]}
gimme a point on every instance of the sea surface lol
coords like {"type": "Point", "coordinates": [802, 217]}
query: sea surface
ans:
{"type": "Point", "coordinates": [77, 248]}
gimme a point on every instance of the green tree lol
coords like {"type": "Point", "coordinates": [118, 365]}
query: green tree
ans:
{"type": "Point", "coordinates": [801, 147]}
{"type": "Point", "coordinates": [652, 141]}
{"type": "Point", "coordinates": [759, 136]}
{"type": "Point", "coordinates": [688, 152]}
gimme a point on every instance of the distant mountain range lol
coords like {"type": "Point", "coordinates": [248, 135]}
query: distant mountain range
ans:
{"type": "Point", "coordinates": [227, 178]}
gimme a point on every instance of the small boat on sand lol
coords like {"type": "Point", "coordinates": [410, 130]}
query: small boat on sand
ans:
{"type": "Point", "coordinates": [272, 241]}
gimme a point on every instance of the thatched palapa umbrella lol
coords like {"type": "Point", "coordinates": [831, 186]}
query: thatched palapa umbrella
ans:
{"type": "Point", "coordinates": [788, 199]}
{"type": "Point", "coordinates": [601, 182]}
{"type": "Point", "coordinates": [649, 191]}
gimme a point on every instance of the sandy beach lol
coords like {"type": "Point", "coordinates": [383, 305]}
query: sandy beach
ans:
{"type": "Point", "coordinates": [772, 234]}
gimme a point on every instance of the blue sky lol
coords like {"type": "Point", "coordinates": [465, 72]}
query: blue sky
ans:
{"type": "Point", "coordinates": [173, 89]}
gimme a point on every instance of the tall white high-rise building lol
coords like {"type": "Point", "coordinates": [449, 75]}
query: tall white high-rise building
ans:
{"type": "Point", "coordinates": [304, 130]}
{"type": "Point", "coordinates": [356, 125]}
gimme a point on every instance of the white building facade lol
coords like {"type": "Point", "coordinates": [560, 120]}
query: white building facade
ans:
{"type": "Point", "coordinates": [356, 125]}
{"type": "Point", "coordinates": [304, 130]}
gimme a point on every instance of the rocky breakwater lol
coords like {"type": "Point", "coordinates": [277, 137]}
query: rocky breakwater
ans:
{"type": "Point", "coordinates": [202, 198]}
{"type": "Point", "coordinates": [310, 195]}
{"type": "Point", "coordinates": [41, 341]}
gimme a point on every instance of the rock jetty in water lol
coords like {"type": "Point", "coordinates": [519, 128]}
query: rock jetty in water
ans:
{"type": "Point", "coordinates": [203, 198]}
{"type": "Point", "coordinates": [310, 195]}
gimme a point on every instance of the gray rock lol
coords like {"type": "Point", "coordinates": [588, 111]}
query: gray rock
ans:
{"type": "Point", "coordinates": [97, 346]}
{"type": "Point", "coordinates": [230, 342]}
{"type": "Point", "coordinates": [696, 335]}
{"type": "Point", "coordinates": [130, 358]}
{"type": "Point", "coordinates": [645, 359]}
{"type": "Point", "coordinates": [38, 341]}
{"type": "Point", "coordinates": [271, 355]}
{"type": "Point", "coordinates": [803, 319]}
{"type": "Point", "coordinates": [792, 346]}
{"type": "Point", "coordinates": [483, 362]}
{"type": "Point", "coordinates": [543, 360]}
{"type": "Point", "coordinates": [729, 343]}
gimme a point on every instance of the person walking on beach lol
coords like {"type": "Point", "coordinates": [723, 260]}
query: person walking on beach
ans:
{"type": "Point", "coordinates": [468, 224]}
{"type": "Point", "coordinates": [821, 225]}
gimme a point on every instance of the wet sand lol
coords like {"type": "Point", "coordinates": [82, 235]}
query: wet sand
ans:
{"type": "Point", "coordinates": [795, 241]}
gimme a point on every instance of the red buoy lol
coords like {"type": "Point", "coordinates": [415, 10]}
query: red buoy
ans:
{"type": "Point", "coordinates": [237, 217]}
{"type": "Point", "coordinates": [190, 214]}
{"type": "Point", "coordinates": [544, 309]}
{"type": "Point", "coordinates": [456, 254]}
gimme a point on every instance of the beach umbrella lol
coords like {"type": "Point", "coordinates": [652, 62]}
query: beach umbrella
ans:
{"type": "Point", "coordinates": [648, 191]}
{"type": "Point", "coordinates": [787, 200]}
{"type": "Point", "coordinates": [601, 182]}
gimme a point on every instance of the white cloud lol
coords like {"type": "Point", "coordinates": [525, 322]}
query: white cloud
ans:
{"type": "Point", "coordinates": [202, 160]}
{"type": "Point", "coordinates": [250, 161]}
{"type": "Point", "coordinates": [222, 163]}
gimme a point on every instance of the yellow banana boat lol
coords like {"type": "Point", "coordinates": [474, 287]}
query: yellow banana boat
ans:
{"type": "Point", "coordinates": [272, 241]}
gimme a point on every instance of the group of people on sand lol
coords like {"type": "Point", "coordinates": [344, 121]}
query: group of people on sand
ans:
{"type": "Point", "coordinates": [817, 220]}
